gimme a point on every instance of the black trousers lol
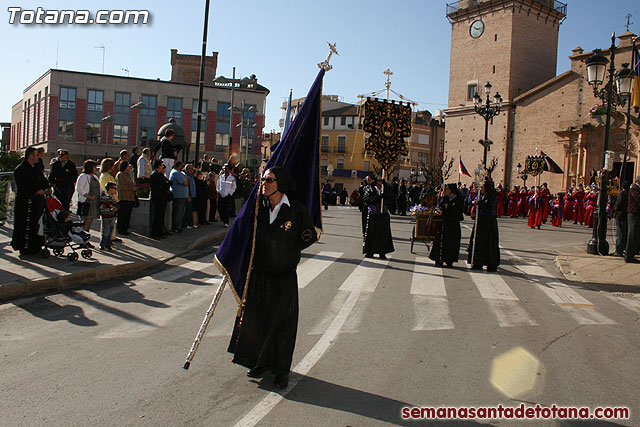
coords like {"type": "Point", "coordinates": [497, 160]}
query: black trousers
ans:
{"type": "Point", "coordinates": [633, 236]}
{"type": "Point", "coordinates": [159, 209]}
{"type": "Point", "coordinates": [364, 213]}
{"type": "Point", "coordinates": [124, 215]}
{"type": "Point", "coordinates": [225, 204]}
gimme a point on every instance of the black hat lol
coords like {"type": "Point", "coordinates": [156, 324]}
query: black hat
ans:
{"type": "Point", "coordinates": [284, 179]}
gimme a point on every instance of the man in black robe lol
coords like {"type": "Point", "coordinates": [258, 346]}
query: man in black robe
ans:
{"type": "Point", "coordinates": [446, 244]}
{"type": "Point", "coordinates": [377, 236]}
{"type": "Point", "coordinates": [487, 246]}
{"type": "Point", "coordinates": [264, 336]}
{"type": "Point", "coordinates": [29, 204]}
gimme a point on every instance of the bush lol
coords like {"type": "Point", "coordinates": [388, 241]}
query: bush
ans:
{"type": "Point", "coordinates": [9, 160]}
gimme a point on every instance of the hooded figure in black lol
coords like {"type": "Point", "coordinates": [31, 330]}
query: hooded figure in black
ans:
{"type": "Point", "coordinates": [377, 237]}
{"type": "Point", "coordinates": [264, 336]}
{"type": "Point", "coordinates": [446, 243]}
{"type": "Point", "coordinates": [487, 249]}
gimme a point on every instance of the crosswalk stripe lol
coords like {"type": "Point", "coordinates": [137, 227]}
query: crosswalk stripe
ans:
{"type": "Point", "coordinates": [631, 304]}
{"type": "Point", "coordinates": [580, 308]}
{"type": "Point", "coordinates": [501, 299]}
{"type": "Point", "coordinates": [352, 324]}
{"type": "Point", "coordinates": [366, 275]}
{"type": "Point", "coordinates": [427, 279]}
{"type": "Point", "coordinates": [431, 313]}
{"type": "Point", "coordinates": [311, 268]}
{"type": "Point", "coordinates": [158, 317]}
{"type": "Point", "coordinates": [185, 269]}
{"type": "Point", "coordinates": [334, 307]}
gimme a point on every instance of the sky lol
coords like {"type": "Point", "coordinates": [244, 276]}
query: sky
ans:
{"type": "Point", "coordinates": [280, 41]}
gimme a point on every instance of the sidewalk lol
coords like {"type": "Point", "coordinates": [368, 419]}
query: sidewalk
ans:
{"type": "Point", "coordinates": [606, 273]}
{"type": "Point", "coordinates": [25, 276]}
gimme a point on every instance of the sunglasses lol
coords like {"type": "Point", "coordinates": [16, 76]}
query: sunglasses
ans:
{"type": "Point", "coordinates": [269, 180]}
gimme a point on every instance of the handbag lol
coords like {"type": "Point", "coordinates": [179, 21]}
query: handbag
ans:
{"type": "Point", "coordinates": [83, 208]}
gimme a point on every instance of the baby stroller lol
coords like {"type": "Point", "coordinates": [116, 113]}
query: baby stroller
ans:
{"type": "Point", "coordinates": [59, 235]}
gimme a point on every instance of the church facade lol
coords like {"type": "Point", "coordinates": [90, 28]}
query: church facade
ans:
{"type": "Point", "coordinates": [513, 45]}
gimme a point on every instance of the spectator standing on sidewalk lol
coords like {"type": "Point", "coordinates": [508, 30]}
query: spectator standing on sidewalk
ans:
{"type": "Point", "coordinates": [168, 151]}
{"type": "Point", "coordinates": [124, 157]}
{"type": "Point", "coordinates": [63, 177]}
{"type": "Point", "coordinates": [133, 163]}
{"type": "Point", "coordinates": [180, 191]}
{"type": "Point", "coordinates": [200, 204]}
{"type": "Point", "coordinates": [622, 202]}
{"type": "Point", "coordinates": [226, 188]}
{"type": "Point", "coordinates": [108, 209]}
{"type": "Point", "coordinates": [29, 204]}
{"type": "Point", "coordinates": [212, 195]}
{"type": "Point", "coordinates": [633, 223]}
{"type": "Point", "coordinates": [126, 198]}
{"type": "Point", "coordinates": [107, 175]}
{"type": "Point", "coordinates": [88, 189]}
{"type": "Point", "coordinates": [160, 192]}
{"type": "Point", "coordinates": [189, 220]}
{"type": "Point", "coordinates": [144, 167]}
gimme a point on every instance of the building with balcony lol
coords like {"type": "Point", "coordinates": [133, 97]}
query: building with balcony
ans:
{"type": "Point", "coordinates": [96, 115]}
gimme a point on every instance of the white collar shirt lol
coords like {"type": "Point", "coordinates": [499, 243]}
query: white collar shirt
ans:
{"type": "Point", "coordinates": [273, 214]}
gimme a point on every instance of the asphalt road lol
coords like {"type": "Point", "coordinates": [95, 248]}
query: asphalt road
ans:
{"type": "Point", "coordinates": [374, 337]}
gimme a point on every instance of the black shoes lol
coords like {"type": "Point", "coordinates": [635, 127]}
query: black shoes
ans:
{"type": "Point", "coordinates": [256, 373]}
{"type": "Point", "coordinates": [383, 256]}
{"type": "Point", "coordinates": [632, 261]}
{"type": "Point", "coordinates": [438, 264]}
{"type": "Point", "coordinates": [281, 381]}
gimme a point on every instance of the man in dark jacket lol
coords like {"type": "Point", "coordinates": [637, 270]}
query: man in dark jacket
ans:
{"type": "Point", "coordinates": [633, 223]}
{"type": "Point", "coordinates": [63, 177]}
{"type": "Point", "coordinates": [168, 151]}
{"type": "Point", "coordinates": [621, 219]}
{"type": "Point", "coordinates": [377, 236]}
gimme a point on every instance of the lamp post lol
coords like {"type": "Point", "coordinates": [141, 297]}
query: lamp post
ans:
{"type": "Point", "coordinates": [522, 173]}
{"type": "Point", "coordinates": [612, 95]}
{"type": "Point", "coordinates": [106, 121]}
{"type": "Point", "coordinates": [488, 111]}
{"type": "Point", "coordinates": [242, 125]}
{"type": "Point", "coordinates": [138, 106]}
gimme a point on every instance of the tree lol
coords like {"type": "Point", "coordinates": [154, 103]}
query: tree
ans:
{"type": "Point", "coordinates": [436, 172]}
{"type": "Point", "coordinates": [9, 160]}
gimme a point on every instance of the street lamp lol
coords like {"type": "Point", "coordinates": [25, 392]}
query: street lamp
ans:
{"type": "Point", "coordinates": [612, 95]}
{"type": "Point", "coordinates": [106, 122]}
{"type": "Point", "coordinates": [242, 125]}
{"type": "Point", "coordinates": [522, 173]}
{"type": "Point", "coordinates": [488, 111]}
{"type": "Point", "coordinates": [138, 106]}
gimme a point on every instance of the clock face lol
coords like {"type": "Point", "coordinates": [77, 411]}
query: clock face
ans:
{"type": "Point", "coordinates": [476, 29]}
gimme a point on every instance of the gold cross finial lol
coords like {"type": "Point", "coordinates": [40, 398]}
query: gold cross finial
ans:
{"type": "Point", "coordinates": [388, 83]}
{"type": "Point", "coordinates": [325, 64]}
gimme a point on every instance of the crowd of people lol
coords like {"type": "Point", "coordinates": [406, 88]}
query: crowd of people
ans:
{"type": "Point", "coordinates": [108, 191]}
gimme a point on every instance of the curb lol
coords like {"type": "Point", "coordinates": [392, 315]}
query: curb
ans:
{"type": "Point", "coordinates": [74, 280]}
{"type": "Point", "coordinates": [564, 266]}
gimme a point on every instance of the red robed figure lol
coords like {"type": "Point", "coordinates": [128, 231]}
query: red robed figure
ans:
{"type": "Point", "coordinates": [500, 198]}
{"type": "Point", "coordinates": [523, 203]}
{"type": "Point", "coordinates": [591, 200]}
{"type": "Point", "coordinates": [578, 205]}
{"type": "Point", "coordinates": [567, 211]}
{"type": "Point", "coordinates": [557, 211]}
{"type": "Point", "coordinates": [512, 208]}
{"type": "Point", "coordinates": [536, 210]}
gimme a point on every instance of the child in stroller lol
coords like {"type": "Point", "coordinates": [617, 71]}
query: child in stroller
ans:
{"type": "Point", "coordinates": [60, 232]}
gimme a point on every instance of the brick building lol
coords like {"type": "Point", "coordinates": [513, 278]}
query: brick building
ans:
{"type": "Point", "coordinates": [513, 44]}
{"type": "Point", "coordinates": [95, 115]}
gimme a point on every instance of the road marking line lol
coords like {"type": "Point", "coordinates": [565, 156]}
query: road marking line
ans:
{"type": "Point", "coordinates": [310, 359]}
{"type": "Point", "coordinates": [580, 308]}
{"type": "Point", "coordinates": [427, 280]}
{"type": "Point", "coordinates": [330, 313]}
{"type": "Point", "coordinates": [501, 299]}
{"type": "Point", "coordinates": [431, 313]}
{"type": "Point", "coordinates": [310, 269]}
{"type": "Point", "coordinates": [179, 271]}
{"type": "Point", "coordinates": [352, 324]}
{"type": "Point", "coordinates": [161, 316]}
{"type": "Point", "coordinates": [366, 275]}
{"type": "Point", "coordinates": [625, 302]}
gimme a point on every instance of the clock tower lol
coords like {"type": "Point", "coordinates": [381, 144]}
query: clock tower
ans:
{"type": "Point", "coordinates": [511, 43]}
